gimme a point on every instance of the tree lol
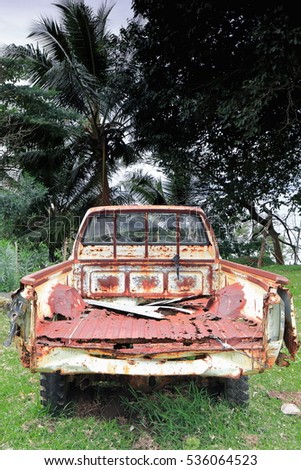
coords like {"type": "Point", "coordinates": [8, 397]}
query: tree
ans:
{"type": "Point", "coordinates": [235, 65]}
{"type": "Point", "coordinates": [218, 88]}
{"type": "Point", "coordinates": [76, 62]}
{"type": "Point", "coordinates": [42, 183]}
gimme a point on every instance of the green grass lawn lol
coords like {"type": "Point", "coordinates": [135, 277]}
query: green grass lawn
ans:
{"type": "Point", "coordinates": [182, 417]}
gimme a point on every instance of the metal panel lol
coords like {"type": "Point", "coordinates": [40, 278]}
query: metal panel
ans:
{"type": "Point", "coordinates": [118, 328]}
{"type": "Point", "coordinates": [130, 251]}
{"type": "Point", "coordinates": [187, 282]}
{"type": "Point", "coordinates": [102, 282]}
{"type": "Point", "coordinates": [196, 252]}
{"type": "Point", "coordinates": [96, 252]}
{"type": "Point", "coordinates": [162, 251]}
{"type": "Point", "coordinates": [146, 283]}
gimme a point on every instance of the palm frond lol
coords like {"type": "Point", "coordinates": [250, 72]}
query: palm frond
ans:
{"type": "Point", "coordinates": [102, 18]}
{"type": "Point", "coordinates": [38, 61]}
{"type": "Point", "coordinates": [143, 188]}
{"type": "Point", "coordinates": [52, 38]}
{"type": "Point", "coordinates": [82, 29]}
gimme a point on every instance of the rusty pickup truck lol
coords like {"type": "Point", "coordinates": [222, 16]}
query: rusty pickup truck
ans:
{"type": "Point", "coordinates": [146, 298]}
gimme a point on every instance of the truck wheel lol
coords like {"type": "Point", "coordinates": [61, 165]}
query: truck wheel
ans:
{"type": "Point", "coordinates": [212, 385]}
{"type": "Point", "coordinates": [53, 391]}
{"type": "Point", "coordinates": [236, 391]}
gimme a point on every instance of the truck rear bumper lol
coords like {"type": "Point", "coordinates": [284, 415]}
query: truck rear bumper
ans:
{"type": "Point", "coordinates": [74, 361]}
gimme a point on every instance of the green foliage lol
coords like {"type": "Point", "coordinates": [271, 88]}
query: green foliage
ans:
{"type": "Point", "coordinates": [217, 86]}
{"type": "Point", "coordinates": [19, 203]}
{"type": "Point", "coordinates": [18, 260]}
{"type": "Point", "coordinates": [11, 70]}
{"type": "Point", "coordinates": [212, 90]}
{"type": "Point", "coordinates": [32, 127]}
{"type": "Point", "coordinates": [36, 216]}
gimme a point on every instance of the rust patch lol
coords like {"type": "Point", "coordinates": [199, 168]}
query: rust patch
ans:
{"type": "Point", "coordinates": [24, 353]}
{"type": "Point", "coordinates": [228, 301]}
{"type": "Point", "coordinates": [148, 282]}
{"type": "Point", "coordinates": [108, 283]}
{"type": "Point", "coordinates": [290, 340]}
{"type": "Point", "coordinates": [186, 284]}
{"type": "Point", "coordinates": [66, 301]}
{"type": "Point", "coordinates": [175, 334]}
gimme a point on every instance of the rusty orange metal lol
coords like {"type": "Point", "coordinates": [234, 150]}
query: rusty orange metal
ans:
{"type": "Point", "coordinates": [237, 319]}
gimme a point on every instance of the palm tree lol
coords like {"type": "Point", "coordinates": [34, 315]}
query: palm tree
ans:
{"type": "Point", "coordinates": [74, 58]}
{"type": "Point", "coordinates": [172, 188]}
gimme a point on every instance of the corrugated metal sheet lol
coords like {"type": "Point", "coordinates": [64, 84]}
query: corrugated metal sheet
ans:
{"type": "Point", "coordinates": [100, 325]}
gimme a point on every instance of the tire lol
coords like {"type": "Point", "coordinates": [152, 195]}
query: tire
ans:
{"type": "Point", "coordinates": [212, 385]}
{"type": "Point", "coordinates": [236, 391]}
{"type": "Point", "coordinates": [53, 391]}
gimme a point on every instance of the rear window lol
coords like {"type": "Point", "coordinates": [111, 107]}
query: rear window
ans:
{"type": "Point", "coordinates": [140, 227]}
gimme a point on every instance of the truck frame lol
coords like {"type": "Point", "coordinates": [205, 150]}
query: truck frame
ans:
{"type": "Point", "coordinates": [146, 298]}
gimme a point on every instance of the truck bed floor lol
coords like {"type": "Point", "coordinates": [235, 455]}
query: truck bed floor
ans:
{"type": "Point", "coordinates": [111, 331]}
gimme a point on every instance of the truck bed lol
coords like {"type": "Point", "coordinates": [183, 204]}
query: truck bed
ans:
{"type": "Point", "coordinates": [120, 334]}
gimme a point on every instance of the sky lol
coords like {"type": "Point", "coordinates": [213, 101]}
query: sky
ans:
{"type": "Point", "coordinates": [18, 16]}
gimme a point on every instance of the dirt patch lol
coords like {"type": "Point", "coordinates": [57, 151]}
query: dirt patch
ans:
{"type": "Point", "coordinates": [106, 405]}
{"type": "Point", "coordinates": [286, 397]}
{"type": "Point", "coordinates": [110, 409]}
{"type": "Point", "coordinates": [145, 441]}
{"type": "Point", "coordinates": [251, 440]}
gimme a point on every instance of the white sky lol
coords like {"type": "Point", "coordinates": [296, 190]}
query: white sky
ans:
{"type": "Point", "coordinates": [18, 16]}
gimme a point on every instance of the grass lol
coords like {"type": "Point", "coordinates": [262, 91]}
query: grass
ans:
{"type": "Point", "coordinates": [181, 417]}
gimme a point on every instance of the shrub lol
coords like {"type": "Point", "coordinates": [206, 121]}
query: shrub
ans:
{"type": "Point", "coordinates": [18, 260]}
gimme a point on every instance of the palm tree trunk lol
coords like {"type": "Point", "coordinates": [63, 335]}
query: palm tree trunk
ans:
{"type": "Point", "coordinates": [105, 188]}
{"type": "Point", "coordinates": [100, 155]}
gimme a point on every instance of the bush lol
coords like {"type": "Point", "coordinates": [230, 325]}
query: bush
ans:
{"type": "Point", "coordinates": [18, 260]}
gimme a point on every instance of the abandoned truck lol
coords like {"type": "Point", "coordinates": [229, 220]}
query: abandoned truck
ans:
{"type": "Point", "coordinates": [146, 298]}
